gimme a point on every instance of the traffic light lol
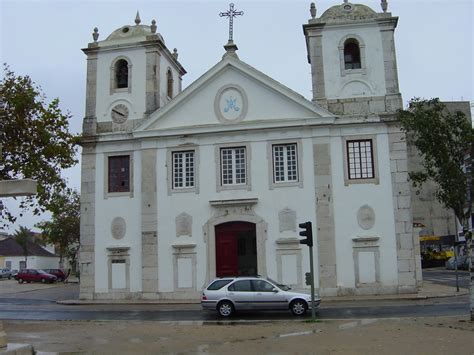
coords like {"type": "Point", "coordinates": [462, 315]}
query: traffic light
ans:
{"type": "Point", "coordinates": [306, 232]}
{"type": "Point", "coordinates": [308, 279]}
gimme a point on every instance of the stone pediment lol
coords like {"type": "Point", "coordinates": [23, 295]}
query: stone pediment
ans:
{"type": "Point", "coordinates": [234, 94]}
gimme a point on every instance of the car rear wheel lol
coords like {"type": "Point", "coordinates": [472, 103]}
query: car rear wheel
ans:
{"type": "Point", "coordinates": [43, 281]}
{"type": "Point", "coordinates": [298, 308]}
{"type": "Point", "coordinates": [225, 308]}
{"type": "Point", "coordinates": [20, 280]}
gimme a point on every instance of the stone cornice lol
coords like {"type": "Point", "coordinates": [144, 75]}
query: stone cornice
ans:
{"type": "Point", "coordinates": [234, 202]}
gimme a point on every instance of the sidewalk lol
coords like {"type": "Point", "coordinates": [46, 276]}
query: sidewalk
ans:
{"type": "Point", "coordinates": [428, 290]}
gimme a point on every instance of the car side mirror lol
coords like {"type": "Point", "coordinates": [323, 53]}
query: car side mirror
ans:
{"type": "Point", "coordinates": [275, 290]}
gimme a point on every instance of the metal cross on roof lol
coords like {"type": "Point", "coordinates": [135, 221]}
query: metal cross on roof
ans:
{"type": "Point", "coordinates": [231, 14]}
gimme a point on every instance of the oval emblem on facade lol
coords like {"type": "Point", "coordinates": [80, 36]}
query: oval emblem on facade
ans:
{"type": "Point", "coordinates": [366, 217]}
{"type": "Point", "coordinates": [118, 228]}
{"type": "Point", "coordinates": [230, 104]}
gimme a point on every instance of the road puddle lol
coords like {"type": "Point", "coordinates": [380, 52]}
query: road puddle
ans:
{"type": "Point", "coordinates": [309, 332]}
{"type": "Point", "coordinates": [357, 323]}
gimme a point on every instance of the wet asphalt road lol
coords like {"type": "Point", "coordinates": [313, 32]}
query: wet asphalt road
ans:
{"type": "Point", "coordinates": [41, 305]}
{"type": "Point", "coordinates": [41, 311]}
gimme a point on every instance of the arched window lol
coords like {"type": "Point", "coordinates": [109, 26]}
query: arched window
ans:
{"type": "Point", "coordinates": [121, 74]}
{"type": "Point", "coordinates": [169, 81]}
{"type": "Point", "coordinates": [352, 54]}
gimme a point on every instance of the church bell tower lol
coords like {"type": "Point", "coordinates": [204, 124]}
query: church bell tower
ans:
{"type": "Point", "coordinates": [351, 50]}
{"type": "Point", "coordinates": [130, 75]}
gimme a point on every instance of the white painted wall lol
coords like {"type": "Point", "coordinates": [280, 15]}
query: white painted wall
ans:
{"type": "Point", "coordinates": [135, 101]}
{"type": "Point", "coordinates": [263, 103]}
{"type": "Point", "coordinates": [348, 200]}
{"type": "Point", "coordinates": [374, 62]}
{"type": "Point", "coordinates": [33, 262]}
{"type": "Point", "coordinates": [117, 206]}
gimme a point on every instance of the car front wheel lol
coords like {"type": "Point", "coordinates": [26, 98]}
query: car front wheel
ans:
{"type": "Point", "coordinates": [225, 308]}
{"type": "Point", "coordinates": [298, 308]}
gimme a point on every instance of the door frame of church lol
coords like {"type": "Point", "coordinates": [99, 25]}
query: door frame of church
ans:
{"type": "Point", "coordinates": [241, 215]}
{"type": "Point", "coordinates": [229, 249]}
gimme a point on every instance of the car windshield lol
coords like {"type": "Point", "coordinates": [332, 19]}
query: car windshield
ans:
{"type": "Point", "coordinates": [282, 286]}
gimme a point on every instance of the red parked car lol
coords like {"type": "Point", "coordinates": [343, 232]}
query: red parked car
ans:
{"type": "Point", "coordinates": [60, 274]}
{"type": "Point", "coordinates": [32, 275]}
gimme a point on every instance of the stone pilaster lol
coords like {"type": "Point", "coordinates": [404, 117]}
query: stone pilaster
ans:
{"type": "Point", "coordinates": [393, 98]}
{"type": "Point", "coordinates": [325, 233]}
{"type": "Point", "coordinates": [87, 250]}
{"type": "Point", "coordinates": [417, 251]}
{"type": "Point", "coordinates": [149, 222]}
{"type": "Point", "coordinates": [90, 119]}
{"type": "Point", "coordinates": [402, 210]}
{"type": "Point", "coordinates": [315, 57]}
{"type": "Point", "coordinates": [152, 95]}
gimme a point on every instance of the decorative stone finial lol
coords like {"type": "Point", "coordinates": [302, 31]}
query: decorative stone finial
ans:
{"type": "Point", "coordinates": [384, 5]}
{"type": "Point", "coordinates": [153, 26]}
{"type": "Point", "coordinates": [312, 10]}
{"type": "Point", "coordinates": [137, 19]}
{"type": "Point", "coordinates": [230, 49]}
{"type": "Point", "coordinates": [95, 34]}
{"type": "Point", "coordinates": [175, 54]}
{"type": "Point", "coordinates": [346, 1]}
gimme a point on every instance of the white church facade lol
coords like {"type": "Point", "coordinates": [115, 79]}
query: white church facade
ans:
{"type": "Point", "coordinates": [182, 186]}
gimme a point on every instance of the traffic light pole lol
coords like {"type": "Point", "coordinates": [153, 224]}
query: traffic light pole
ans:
{"type": "Point", "coordinates": [307, 231]}
{"type": "Point", "coordinates": [311, 270]}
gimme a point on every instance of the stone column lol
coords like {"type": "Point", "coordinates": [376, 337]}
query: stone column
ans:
{"type": "Point", "coordinates": [315, 57]}
{"type": "Point", "coordinates": [402, 210]}
{"type": "Point", "coordinates": [393, 100]}
{"type": "Point", "coordinates": [149, 224]}
{"type": "Point", "coordinates": [325, 232]}
{"type": "Point", "coordinates": [417, 252]}
{"type": "Point", "coordinates": [87, 249]}
{"type": "Point", "coordinates": [90, 119]}
{"type": "Point", "coordinates": [152, 99]}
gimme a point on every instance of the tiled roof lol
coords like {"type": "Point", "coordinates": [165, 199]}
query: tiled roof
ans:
{"type": "Point", "coordinates": [10, 247]}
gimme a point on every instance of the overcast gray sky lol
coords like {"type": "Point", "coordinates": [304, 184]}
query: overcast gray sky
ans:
{"type": "Point", "coordinates": [43, 39]}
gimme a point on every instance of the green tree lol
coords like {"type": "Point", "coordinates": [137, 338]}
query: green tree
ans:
{"type": "Point", "coordinates": [63, 230]}
{"type": "Point", "coordinates": [36, 142]}
{"type": "Point", "coordinates": [23, 236]}
{"type": "Point", "coordinates": [445, 141]}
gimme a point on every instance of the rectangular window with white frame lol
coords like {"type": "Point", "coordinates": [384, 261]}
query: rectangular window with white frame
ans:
{"type": "Point", "coordinates": [233, 166]}
{"type": "Point", "coordinates": [360, 159]}
{"type": "Point", "coordinates": [183, 169]}
{"type": "Point", "coordinates": [285, 163]}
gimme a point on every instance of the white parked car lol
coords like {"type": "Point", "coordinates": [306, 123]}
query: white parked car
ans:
{"type": "Point", "coordinates": [5, 274]}
{"type": "Point", "coordinates": [229, 294]}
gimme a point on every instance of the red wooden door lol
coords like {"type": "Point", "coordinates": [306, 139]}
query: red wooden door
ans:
{"type": "Point", "coordinates": [226, 254]}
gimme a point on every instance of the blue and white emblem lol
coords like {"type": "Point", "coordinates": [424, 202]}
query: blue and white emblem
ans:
{"type": "Point", "coordinates": [231, 105]}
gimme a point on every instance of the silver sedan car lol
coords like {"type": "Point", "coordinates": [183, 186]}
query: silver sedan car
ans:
{"type": "Point", "coordinates": [230, 294]}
